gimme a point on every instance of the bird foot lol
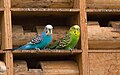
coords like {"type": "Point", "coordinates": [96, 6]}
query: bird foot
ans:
{"type": "Point", "coordinates": [37, 49]}
{"type": "Point", "coordinates": [71, 50]}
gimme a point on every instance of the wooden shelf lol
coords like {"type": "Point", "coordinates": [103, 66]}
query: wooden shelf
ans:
{"type": "Point", "coordinates": [43, 11]}
{"type": "Point", "coordinates": [46, 9]}
{"type": "Point", "coordinates": [48, 52]}
{"type": "Point", "coordinates": [102, 10]}
{"type": "Point", "coordinates": [104, 51]}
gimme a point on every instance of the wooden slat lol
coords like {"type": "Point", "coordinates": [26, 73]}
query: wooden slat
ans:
{"type": "Point", "coordinates": [20, 66]}
{"type": "Point", "coordinates": [1, 3]}
{"type": "Point", "coordinates": [83, 61]}
{"type": "Point", "coordinates": [9, 62]}
{"type": "Point", "coordinates": [104, 51]}
{"type": "Point", "coordinates": [103, 10]}
{"type": "Point", "coordinates": [59, 67]}
{"type": "Point", "coordinates": [104, 63]}
{"type": "Point", "coordinates": [43, 3]}
{"type": "Point", "coordinates": [115, 24]}
{"type": "Point", "coordinates": [46, 9]}
{"type": "Point", "coordinates": [6, 27]}
{"type": "Point", "coordinates": [109, 4]}
{"type": "Point", "coordinates": [103, 37]}
{"type": "Point", "coordinates": [48, 51]}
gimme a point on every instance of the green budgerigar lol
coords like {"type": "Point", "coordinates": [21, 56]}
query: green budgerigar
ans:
{"type": "Point", "coordinates": [69, 41]}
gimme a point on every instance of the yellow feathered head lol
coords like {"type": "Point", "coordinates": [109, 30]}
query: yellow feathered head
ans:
{"type": "Point", "coordinates": [75, 30]}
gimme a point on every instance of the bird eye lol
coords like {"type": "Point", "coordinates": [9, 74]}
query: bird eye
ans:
{"type": "Point", "coordinates": [46, 31]}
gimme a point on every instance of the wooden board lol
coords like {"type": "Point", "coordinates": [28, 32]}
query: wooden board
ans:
{"type": "Point", "coordinates": [59, 67]}
{"type": "Point", "coordinates": [42, 3]}
{"type": "Point", "coordinates": [104, 4]}
{"type": "Point", "coordinates": [103, 37]}
{"type": "Point", "coordinates": [1, 3]}
{"type": "Point", "coordinates": [31, 72]}
{"type": "Point", "coordinates": [6, 26]}
{"type": "Point", "coordinates": [104, 63]}
{"type": "Point", "coordinates": [20, 66]}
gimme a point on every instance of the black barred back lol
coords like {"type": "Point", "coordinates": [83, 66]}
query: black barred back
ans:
{"type": "Point", "coordinates": [64, 41]}
{"type": "Point", "coordinates": [37, 39]}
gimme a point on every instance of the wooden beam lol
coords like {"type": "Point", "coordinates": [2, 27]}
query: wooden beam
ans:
{"type": "Point", "coordinates": [84, 39]}
{"type": "Point", "coordinates": [42, 3]}
{"type": "Point", "coordinates": [6, 27]}
{"type": "Point", "coordinates": [9, 62]}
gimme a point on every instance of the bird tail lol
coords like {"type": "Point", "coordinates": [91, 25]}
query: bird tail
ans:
{"type": "Point", "coordinates": [25, 47]}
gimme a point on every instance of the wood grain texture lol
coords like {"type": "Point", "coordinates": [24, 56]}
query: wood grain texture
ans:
{"type": "Point", "coordinates": [109, 4]}
{"type": "Point", "coordinates": [103, 37]}
{"type": "Point", "coordinates": [104, 63]}
{"type": "Point", "coordinates": [9, 62]}
{"type": "Point", "coordinates": [6, 27]}
{"type": "Point", "coordinates": [59, 67]}
{"type": "Point", "coordinates": [20, 66]}
{"type": "Point", "coordinates": [83, 60]}
{"type": "Point", "coordinates": [42, 3]}
{"type": "Point", "coordinates": [1, 3]}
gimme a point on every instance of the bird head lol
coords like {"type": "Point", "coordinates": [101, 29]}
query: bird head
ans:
{"type": "Point", "coordinates": [75, 30]}
{"type": "Point", "coordinates": [48, 30]}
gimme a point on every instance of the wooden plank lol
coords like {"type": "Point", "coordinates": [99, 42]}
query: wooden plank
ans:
{"type": "Point", "coordinates": [20, 66]}
{"type": "Point", "coordinates": [42, 3]}
{"type": "Point", "coordinates": [104, 51]}
{"type": "Point", "coordinates": [76, 4]}
{"type": "Point", "coordinates": [104, 63]}
{"type": "Point", "coordinates": [103, 37]}
{"type": "Point", "coordinates": [105, 44]}
{"type": "Point", "coordinates": [59, 67]}
{"type": "Point", "coordinates": [48, 52]}
{"type": "Point", "coordinates": [1, 4]}
{"type": "Point", "coordinates": [9, 62]}
{"type": "Point", "coordinates": [6, 27]}
{"type": "Point", "coordinates": [109, 4]}
{"type": "Point", "coordinates": [103, 10]}
{"type": "Point", "coordinates": [46, 9]}
{"type": "Point", "coordinates": [115, 24]}
{"type": "Point", "coordinates": [83, 59]}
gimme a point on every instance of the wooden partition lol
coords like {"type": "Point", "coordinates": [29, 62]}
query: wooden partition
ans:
{"type": "Point", "coordinates": [22, 20]}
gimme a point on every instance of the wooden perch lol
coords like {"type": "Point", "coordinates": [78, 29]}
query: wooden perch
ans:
{"type": "Point", "coordinates": [103, 37]}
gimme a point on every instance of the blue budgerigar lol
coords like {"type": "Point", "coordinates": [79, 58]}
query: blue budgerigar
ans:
{"type": "Point", "coordinates": [40, 41]}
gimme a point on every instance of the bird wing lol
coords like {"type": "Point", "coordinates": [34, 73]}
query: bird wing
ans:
{"type": "Point", "coordinates": [64, 41]}
{"type": "Point", "coordinates": [36, 40]}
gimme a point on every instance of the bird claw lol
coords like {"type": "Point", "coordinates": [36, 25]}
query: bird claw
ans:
{"type": "Point", "coordinates": [37, 49]}
{"type": "Point", "coordinates": [71, 50]}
